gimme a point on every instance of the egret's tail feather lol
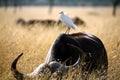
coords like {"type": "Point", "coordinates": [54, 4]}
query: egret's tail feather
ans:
{"type": "Point", "coordinates": [74, 27]}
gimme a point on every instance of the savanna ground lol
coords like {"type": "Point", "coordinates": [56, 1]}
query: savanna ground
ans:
{"type": "Point", "coordinates": [34, 41]}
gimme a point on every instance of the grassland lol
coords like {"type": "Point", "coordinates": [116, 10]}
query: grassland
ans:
{"type": "Point", "coordinates": [34, 41]}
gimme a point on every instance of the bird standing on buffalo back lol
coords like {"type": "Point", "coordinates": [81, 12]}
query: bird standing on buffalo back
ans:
{"type": "Point", "coordinates": [67, 21]}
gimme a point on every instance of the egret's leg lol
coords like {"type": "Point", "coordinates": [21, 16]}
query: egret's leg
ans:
{"type": "Point", "coordinates": [67, 31]}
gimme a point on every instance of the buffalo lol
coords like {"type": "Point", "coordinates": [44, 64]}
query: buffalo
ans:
{"type": "Point", "coordinates": [32, 22]}
{"type": "Point", "coordinates": [71, 50]}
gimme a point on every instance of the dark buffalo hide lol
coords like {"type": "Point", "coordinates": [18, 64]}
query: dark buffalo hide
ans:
{"type": "Point", "coordinates": [94, 57]}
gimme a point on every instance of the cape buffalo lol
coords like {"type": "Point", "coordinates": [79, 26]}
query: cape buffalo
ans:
{"type": "Point", "coordinates": [69, 50]}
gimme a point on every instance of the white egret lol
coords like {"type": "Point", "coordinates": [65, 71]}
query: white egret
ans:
{"type": "Point", "coordinates": [67, 21]}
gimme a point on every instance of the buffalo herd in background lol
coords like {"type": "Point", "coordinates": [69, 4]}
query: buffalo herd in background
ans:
{"type": "Point", "coordinates": [46, 22]}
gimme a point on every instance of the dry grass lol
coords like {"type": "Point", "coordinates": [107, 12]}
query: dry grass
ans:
{"type": "Point", "coordinates": [35, 41]}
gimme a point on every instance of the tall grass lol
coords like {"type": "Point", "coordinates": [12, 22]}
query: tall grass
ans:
{"type": "Point", "coordinates": [35, 41]}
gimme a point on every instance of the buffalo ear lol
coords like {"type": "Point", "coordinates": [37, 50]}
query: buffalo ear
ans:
{"type": "Point", "coordinates": [75, 48]}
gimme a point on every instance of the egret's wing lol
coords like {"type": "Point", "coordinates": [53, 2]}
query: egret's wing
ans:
{"type": "Point", "coordinates": [66, 19]}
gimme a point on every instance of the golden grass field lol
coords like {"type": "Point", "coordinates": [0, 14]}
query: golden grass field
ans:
{"type": "Point", "coordinates": [35, 41]}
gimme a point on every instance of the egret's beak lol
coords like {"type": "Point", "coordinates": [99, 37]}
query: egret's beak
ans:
{"type": "Point", "coordinates": [60, 12]}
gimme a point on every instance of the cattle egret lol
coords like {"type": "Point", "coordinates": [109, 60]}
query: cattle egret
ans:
{"type": "Point", "coordinates": [67, 21]}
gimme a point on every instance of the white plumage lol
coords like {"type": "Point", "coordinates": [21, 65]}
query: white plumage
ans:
{"type": "Point", "coordinates": [67, 21]}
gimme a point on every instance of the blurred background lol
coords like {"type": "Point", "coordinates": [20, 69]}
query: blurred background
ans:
{"type": "Point", "coordinates": [52, 3]}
